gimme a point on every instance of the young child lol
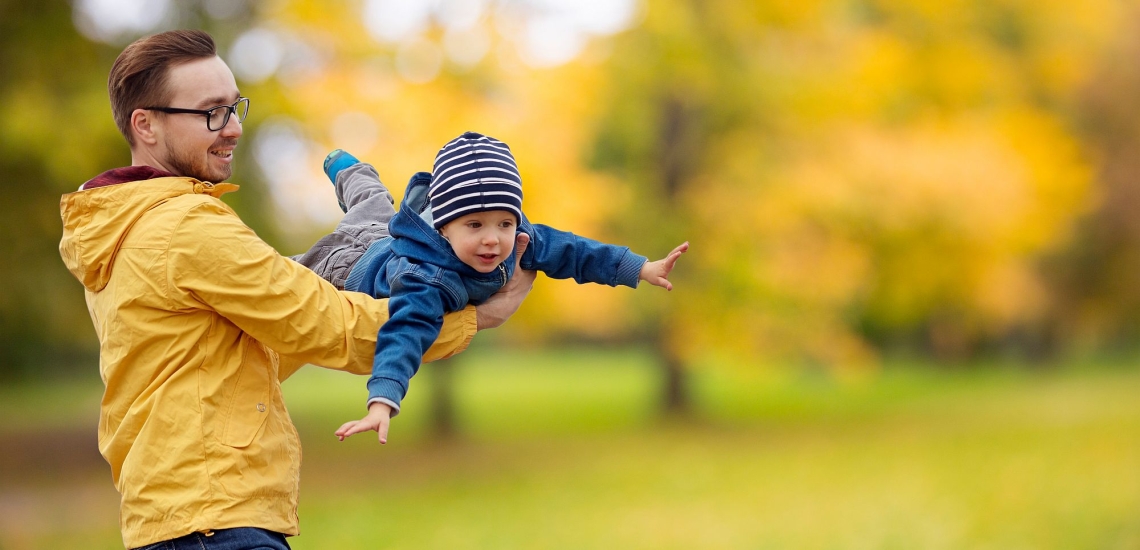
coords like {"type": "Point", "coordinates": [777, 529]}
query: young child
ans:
{"type": "Point", "coordinates": [451, 244]}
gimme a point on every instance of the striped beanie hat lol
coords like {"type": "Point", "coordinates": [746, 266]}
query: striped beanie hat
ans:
{"type": "Point", "coordinates": [474, 173]}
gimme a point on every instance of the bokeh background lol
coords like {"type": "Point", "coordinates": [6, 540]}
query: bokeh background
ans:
{"type": "Point", "coordinates": [909, 317]}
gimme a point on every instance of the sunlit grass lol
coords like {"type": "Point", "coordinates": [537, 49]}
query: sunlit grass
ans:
{"type": "Point", "coordinates": [498, 395]}
{"type": "Point", "coordinates": [1003, 458]}
{"type": "Point", "coordinates": [564, 449]}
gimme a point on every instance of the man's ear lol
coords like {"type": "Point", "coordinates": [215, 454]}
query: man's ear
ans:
{"type": "Point", "coordinates": [143, 126]}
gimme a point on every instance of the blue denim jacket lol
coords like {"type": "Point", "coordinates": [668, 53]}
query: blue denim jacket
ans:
{"type": "Point", "coordinates": [419, 272]}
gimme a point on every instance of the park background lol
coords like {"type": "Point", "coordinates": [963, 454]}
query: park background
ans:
{"type": "Point", "coordinates": [908, 319]}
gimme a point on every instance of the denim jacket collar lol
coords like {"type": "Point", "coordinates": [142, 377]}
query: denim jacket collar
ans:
{"type": "Point", "coordinates": [421, 243]}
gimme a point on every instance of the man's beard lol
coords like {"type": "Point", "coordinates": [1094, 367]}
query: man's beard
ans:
{"type": "Point", "coordinates": [188, 164]}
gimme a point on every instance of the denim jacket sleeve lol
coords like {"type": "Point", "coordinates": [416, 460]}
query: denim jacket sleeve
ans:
{"type": "Point", "coordinates": [564, 255]}
{"type": "Point", "coordinates": [420, 296]}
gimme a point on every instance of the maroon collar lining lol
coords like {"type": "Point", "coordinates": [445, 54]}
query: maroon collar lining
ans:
{"type": "Point", "coordinates": [124, 175]}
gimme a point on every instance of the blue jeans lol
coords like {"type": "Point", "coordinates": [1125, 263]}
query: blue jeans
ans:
{"type": "Point", "coordinates": [239, 538]}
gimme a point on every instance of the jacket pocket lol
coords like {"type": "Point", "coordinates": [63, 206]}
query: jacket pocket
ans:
{"type": "Point", "coordinates": [248, 406]}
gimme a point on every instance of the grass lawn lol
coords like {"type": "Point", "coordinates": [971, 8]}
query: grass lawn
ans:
{"type": "Point", "coordinates": [564, 449]}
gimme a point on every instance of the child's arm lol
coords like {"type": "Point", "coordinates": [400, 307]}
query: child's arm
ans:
{"type": "Point", "coordinates": [657, 273]}
{"type": "Point", "coordinates": [498, 308]}
{"type": "Point", "coordinates": [378, 418]}
{"type": "Point", "coordinates": [564, 255]}
{"type": "Point", "coordinates": [417, 309]}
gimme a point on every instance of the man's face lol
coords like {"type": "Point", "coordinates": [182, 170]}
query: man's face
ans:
{"type": "Point", "coordinates": [186, 146]}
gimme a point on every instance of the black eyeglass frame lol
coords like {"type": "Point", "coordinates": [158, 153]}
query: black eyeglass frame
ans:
{"type": "Point", "coordinates": [209, 113]}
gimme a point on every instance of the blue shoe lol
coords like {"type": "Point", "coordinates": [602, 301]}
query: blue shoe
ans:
{"type": "Point", "coordinates": [338, 160]}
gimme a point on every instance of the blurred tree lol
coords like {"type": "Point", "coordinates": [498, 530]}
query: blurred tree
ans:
{"type": "Point", "coordinates": [855, 176]}
{"type": "Point", "coordinates": [1097, 301]}
{"type": "Point", "coordinates": [666, 106]}
{"type": "Point", "coordinates": [56, 132]}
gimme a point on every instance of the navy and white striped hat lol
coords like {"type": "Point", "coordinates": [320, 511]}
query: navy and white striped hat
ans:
{"type": "Point", "coordinates": [474, 173]}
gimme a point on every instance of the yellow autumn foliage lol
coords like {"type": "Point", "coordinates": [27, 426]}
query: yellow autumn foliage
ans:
{"type": "Point", "coordinates": [852, 169]}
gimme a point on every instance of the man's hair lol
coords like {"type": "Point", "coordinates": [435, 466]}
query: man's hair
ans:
{"type": "Point", "coordinates": [138, 77]}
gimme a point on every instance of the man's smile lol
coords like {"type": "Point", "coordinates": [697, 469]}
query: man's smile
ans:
{"type": "Point", "coordinates": [224, 150]}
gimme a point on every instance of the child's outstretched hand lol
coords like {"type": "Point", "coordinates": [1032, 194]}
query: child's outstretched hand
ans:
{"type": "Point", "coordinates": [378, 417]}
{"type": "Point", "coordinates": [657, 273]}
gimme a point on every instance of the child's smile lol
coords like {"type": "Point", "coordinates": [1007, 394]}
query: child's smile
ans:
{"type": "Point", "coordinates": [482, 240]}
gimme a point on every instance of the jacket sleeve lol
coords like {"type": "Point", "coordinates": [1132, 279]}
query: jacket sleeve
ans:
{"type": "Point", "coordinates": [220, 263]}
{"type": "Point", "coordinates": [564, 255]}
{"type": "Point", "coordinates": [416, 308]}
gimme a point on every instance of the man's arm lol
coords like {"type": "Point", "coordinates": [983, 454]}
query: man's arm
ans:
{"type": "Point", "coordinates": [501, 305]}
{"type": "Point", "coordinates": [455, 335]}
{"type": "Point", "coordinates": [227, 268]}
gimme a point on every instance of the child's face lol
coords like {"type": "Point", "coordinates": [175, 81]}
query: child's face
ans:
{"type": "Point", "coordinates": [482, 240]}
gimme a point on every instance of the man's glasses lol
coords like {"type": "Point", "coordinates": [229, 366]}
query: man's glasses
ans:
{"type": "Point", "coordinates": [216, 117]}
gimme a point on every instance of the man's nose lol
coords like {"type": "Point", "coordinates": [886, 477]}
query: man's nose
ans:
{"type": "Point", "coordinates": [232, 129]}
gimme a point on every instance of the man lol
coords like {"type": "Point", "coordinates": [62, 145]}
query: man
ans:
{"type": "Point", "coordinates": [199, 320]}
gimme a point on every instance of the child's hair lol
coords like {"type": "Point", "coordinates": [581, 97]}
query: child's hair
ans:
{"type": "Point", "coordinates": [474, 173]}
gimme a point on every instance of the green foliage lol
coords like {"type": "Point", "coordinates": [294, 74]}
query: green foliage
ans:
{"type": "Point", "coordinates": [56, 132]}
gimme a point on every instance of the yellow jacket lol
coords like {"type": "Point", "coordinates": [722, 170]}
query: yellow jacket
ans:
{"type": "Point", "coordinates": [198, 321]}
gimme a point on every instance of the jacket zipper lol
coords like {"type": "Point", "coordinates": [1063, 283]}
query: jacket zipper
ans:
{"type": "Point", "coordinates": [503, 272]}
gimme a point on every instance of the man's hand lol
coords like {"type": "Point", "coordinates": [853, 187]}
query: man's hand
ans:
{"type": "Point", "coordinates": [502, 304]}
{"type": "Point", "coordinates": [657, 273]}
{"type": "Point", "coordinates": [378, 418]}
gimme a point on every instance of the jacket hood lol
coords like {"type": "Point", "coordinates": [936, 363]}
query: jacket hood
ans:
{"type": "Point", "coordinates": [420, 242]}
{"type": "Point", "coordinates": [95, 221]}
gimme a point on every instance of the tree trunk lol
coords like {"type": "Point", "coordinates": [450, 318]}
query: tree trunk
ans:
{"type": "Point", "coordinates": [443, 417]}
{"type": "Point", "coordinates": [676, 395]}
{"type": "Point", "coordinates": [676, 398]}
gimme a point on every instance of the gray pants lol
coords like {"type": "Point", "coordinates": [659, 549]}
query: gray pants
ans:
{"type": "Point", "coordinates": [369, 207]}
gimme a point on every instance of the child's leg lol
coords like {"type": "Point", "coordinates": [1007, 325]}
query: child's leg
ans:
{"type": "Point", "coordinates": [333, 256]}
{"type": "Point", "coordinates": [369, 208]}
{"type": "Point", "coordinates": [366, 199]}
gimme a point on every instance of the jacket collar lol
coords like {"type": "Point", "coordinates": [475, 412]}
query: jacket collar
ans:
{"type": "Point", "coordinates": [124, 175]}
{"type": "Point", "coordinates": [95, 221]}
{"type": "Point", "coordinates": [420, 242]}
